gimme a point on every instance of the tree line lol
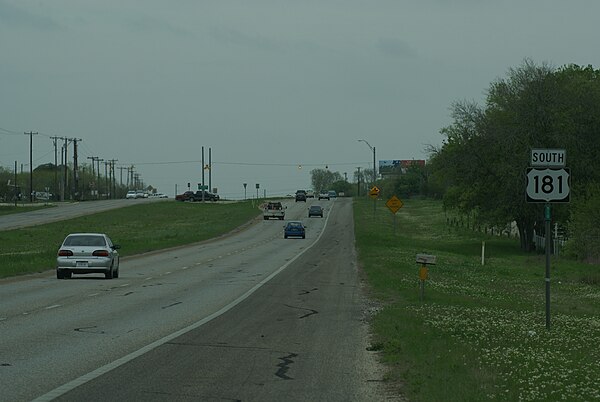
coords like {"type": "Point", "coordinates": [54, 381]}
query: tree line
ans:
{"type": "Point", "coordinates": [479, 170]}
{"type": "Point", "coordinates": [481, 165]}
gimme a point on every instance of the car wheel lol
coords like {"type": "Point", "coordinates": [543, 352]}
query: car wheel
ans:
{"type": "Point", "coordinates": [116, 273]}
{"type": "Point", "coordinates": [303, 236]}
{"type": "Point", "coordinates": [59, 274]}
{"type": "Point", "coordinates": [109, 274]}
{"type": "Point", "coordinates": [67, 274]}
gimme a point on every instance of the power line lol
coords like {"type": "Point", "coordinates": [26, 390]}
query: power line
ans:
{"type": "Point", "coordinates": [251, 164]}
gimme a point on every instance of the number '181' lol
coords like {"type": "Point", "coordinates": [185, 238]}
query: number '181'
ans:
{"type": "Point", "coordinates": [547, 184]}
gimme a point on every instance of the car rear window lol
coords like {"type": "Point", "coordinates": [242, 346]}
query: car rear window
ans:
{"type": "Point", "coordinates": [85, 240]}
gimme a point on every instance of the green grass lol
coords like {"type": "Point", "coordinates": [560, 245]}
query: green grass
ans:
{"type": "Point", "coordinates": [479, 333]}
{"type": "Point", "coordinates": [137, 228]}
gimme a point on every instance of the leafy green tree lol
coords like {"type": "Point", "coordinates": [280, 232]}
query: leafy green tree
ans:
{"type": "Point", "coordinates": [483, 160]}
{"type": "Point", "coordinates": [323, 179]}
{"type": "Point", "coordinates": [584, 226]}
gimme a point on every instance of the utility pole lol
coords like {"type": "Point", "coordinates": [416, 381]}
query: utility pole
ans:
{"type": "Point", "coordinates": [75, 191]}
{"type": "Point", "coordinates": [210, 169]}
{"type": "Point", "coordinates": [106, 163]}
{"type": "Point", "coordinates": [130, 182]}
{"type": "Point", "coordinates": [98, 160]}
{"type": "Point", "coordinates": [358, 180]}
{"type": "Point", "coordinates": [113, 181]}
{"type": "Point", "coordinates": [203, 173]}
{"type": "Point", "coordinates": [16, 187]}
{"type": "Point", "coordinates": [66, 171]}
{"type": "Point", "coordinates": [93, 186]}
{"type": "Point", "coordinates": [121, 168]}
{"type": "Point", "coordinates": [55, 190]}
{"type": "Point", "coordinates": [31, 134]}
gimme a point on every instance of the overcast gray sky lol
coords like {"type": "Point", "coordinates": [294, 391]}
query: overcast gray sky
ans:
{"type": "Point", "coordinates": [267, 85]}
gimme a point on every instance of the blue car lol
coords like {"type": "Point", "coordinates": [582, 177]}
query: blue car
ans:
{"type": "Point", "coordinates": [294, 229]}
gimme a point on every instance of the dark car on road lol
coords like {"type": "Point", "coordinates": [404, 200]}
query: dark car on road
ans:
{"type": "Point", "coordinates": [294, 229]}
{"type": "Point", "coordinates": [315, 210]}
{"type": "Point", "coordinates": [197, 196]}
{"type": "Point", "coordinates": [300, 197]}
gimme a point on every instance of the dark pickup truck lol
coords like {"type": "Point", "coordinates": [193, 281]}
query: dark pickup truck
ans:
{"type": "Point", "coordinates": [196, 196]}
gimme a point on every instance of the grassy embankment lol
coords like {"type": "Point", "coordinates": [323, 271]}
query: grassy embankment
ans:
{"type": "Point", "coordinates": [479, 334]}
{"type": "Point", "coordinates": [138, 229]}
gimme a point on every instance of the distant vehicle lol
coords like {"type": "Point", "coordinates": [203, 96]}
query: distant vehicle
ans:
{"type": "Point", "coordinates": [86, 253]}
{"type": "Point", "coordinates": [42, 195]}
{"type": "Point", "coordinates": [141, 194]}
{"type": "Point", "coordinates": [197, 196]}
{"type": "Point", "coordinates": [315, 210]}
{"type": "Point", "coordinates": [332, 194]}
{"type": "Point", "coordinates": [273, 210]}
{"type": "Point", "coordinates": [131, 194]}
{"type": "Point", "coordinates": [323, 195]}
{"type": "Point", "coordinates": [294, 229]}
{"type": "Point", "coordinates": [300, 197]}
{"type": "Point", "coordinates": [341, 194]}
{"type": "Point", "coordinates": [310, 194]}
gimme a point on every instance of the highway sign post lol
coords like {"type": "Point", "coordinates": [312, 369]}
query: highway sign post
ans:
{"type": "Point", "coordinates": [424, 260]}
{"type": "Point", "coordinates": [394, 204]}
{"type": "Point", "coordinates": [374, 193]}
{"type": "Point", "coordinates": [548, 181]}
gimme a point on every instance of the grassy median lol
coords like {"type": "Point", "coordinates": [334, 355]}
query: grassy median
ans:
{"type": "Point", "coordinates": [137, 228]}
{"type": "Point", "coordinates": [479, 333]}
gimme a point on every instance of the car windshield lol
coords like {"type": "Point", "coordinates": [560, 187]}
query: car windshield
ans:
{"type": "Point", "coordinates": [294, 225]}
{"type": "Point", "coordinates": [85, 240]}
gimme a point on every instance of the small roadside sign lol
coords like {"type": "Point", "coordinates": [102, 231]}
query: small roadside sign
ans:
{"type": "Point", "coordinates": [374, 192]}
{"type": "Point", "coordinates": [394, 204]}
{"type": "Point", "coordinates": [548, 185]}
{"type": "Point", "coordinates": [552, 158]}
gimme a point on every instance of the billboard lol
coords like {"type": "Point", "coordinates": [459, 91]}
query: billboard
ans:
{"type": "Point", "coordinates": [398, 166]}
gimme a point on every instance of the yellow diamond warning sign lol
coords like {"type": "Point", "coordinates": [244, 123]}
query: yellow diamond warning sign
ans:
{"type": "Point", "coordinates": [394, 204]}
{"type": "Point", "coordinates": [374, 192]}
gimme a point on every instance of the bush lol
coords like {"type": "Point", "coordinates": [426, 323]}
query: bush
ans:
{"type": "Point", "coordinates": [584, 227]}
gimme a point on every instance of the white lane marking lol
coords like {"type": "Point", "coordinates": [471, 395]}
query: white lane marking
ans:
{"type": "Point", "coordinates": [51, 307]}
{"type": "Point", "coordinates": [124, 285]}
{"type": "Point", "coordinates": [148, 278]}
{"type": "Point", "coordinates": [63, 389]}
{"type": "Point", "coordinates": [184, 268]}
{"type": "Point", "coordinates": [93, 294]}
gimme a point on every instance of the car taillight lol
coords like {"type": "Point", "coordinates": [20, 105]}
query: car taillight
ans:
{"type": "Point", "coordinates": [65, 253]}
{"type": "Point", "coordinates": [100, 253]}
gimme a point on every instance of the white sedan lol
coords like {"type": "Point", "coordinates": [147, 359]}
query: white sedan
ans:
{"type": "Point", "coordinates": [87, 253]}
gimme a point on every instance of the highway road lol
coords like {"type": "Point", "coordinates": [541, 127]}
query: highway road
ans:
{"type": "Point", "coordinates": [248, 317]}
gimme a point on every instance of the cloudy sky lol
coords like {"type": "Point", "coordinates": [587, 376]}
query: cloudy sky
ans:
{"type": "Point", "coordinates": [275, 88]}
